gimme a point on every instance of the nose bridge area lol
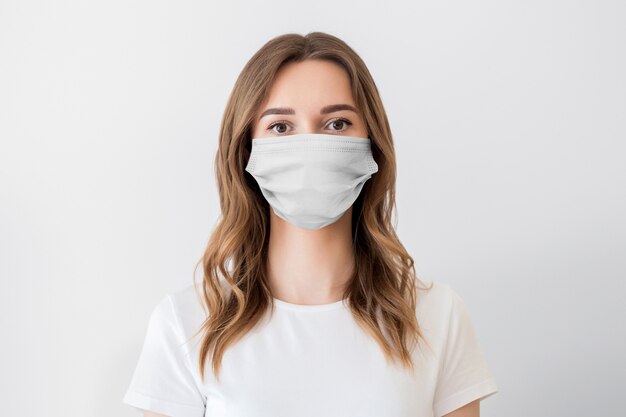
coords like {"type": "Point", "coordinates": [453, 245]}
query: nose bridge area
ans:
{"type": "Point", "coordinates": [309, 122]}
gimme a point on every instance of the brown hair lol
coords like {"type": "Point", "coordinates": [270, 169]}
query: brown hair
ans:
{"type": "Point", "coordinates": [382, 291]}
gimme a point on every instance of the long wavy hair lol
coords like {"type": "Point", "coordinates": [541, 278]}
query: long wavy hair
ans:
{"type": "Point", "coordinates": [234, 290]}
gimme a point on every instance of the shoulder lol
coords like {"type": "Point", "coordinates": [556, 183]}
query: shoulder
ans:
{"type": "Point", "coordinates": [437, 301]}
{"type": "Point", "coordinates": [439, 309]}
{"type": "Point", "coordinates": [181, 309]}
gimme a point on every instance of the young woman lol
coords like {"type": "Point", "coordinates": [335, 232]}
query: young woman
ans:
{"type": "Point", "coordinates": [309, 304]}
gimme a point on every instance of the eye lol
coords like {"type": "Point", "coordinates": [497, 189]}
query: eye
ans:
{"type": "Point", "coordinates": [271, 127]}
{"type": "Point", "coordinates": [342, 122]}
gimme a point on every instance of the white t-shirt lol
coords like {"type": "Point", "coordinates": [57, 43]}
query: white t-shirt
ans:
{"type": "Point", "coordinates": [310, 360]}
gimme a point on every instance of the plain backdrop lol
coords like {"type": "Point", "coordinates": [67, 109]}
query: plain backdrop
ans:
{"type": "Point", "coordinates": [509, 124]}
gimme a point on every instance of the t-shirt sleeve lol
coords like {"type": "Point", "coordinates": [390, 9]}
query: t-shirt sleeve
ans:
{"type": "Point", "coordinates": [464, 375]}
{"type": "Point", "coordinates": [163, 380]}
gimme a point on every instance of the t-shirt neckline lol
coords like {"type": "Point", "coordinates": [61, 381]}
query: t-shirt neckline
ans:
{"type": "Point", "coordinates": [311, 307]}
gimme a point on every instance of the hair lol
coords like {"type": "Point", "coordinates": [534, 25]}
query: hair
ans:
{"type": "Point", "coordinates": [382, 290]}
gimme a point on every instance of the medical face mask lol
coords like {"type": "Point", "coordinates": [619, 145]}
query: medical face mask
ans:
{"type": "Point", "coordinates": [311, 180]}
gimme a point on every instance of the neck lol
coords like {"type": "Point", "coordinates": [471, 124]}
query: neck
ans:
{"type": "Point", "coordinates": [310, 266]}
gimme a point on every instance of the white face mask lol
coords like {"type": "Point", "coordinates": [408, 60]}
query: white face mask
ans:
{"type": "Point", "coordinates": [311, 179]}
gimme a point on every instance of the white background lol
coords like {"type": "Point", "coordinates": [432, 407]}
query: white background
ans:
{"type": "Point", "coordinates": [508, 119]}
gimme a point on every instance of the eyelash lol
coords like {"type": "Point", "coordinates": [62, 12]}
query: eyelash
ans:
{"type": "Point", "coordinates": [281, 122]}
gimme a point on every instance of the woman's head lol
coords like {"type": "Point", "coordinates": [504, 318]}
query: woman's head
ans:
{"type": "Point", "coordinates": [318, 159]}
{"type": "Point", "coordinates": [305, 74]}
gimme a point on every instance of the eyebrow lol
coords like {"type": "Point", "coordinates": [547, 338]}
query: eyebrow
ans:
{"type": "Point", "coordinates": [327, 109]}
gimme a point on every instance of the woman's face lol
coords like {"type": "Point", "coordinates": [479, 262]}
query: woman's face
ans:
{"type": "Point", "coordinates": [313, 96]}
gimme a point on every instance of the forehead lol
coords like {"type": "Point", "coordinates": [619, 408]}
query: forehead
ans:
{"type": "Point", "coordinates": [310, 84]}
